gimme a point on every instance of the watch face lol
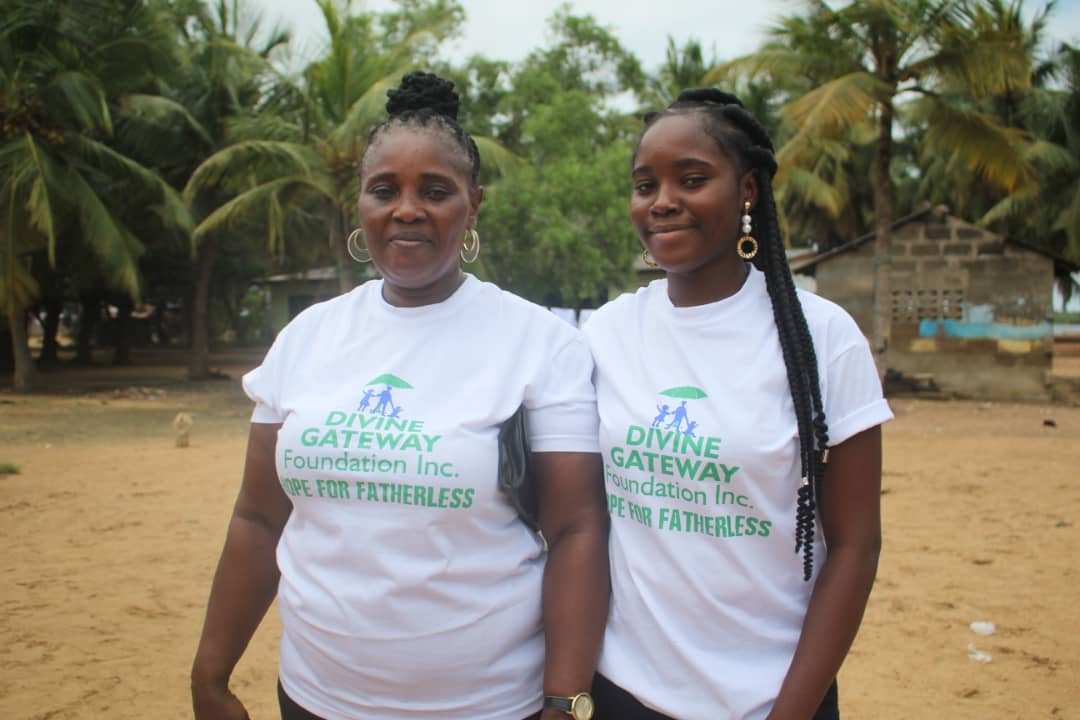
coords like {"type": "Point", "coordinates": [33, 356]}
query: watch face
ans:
{"type": "Point", "coordinates": [583, 707]}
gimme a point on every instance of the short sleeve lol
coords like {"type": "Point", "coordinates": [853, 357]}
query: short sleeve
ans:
{"type": "Point", "coordinates": [853, 398]}
{"type": "Point", "coordinates": [561, 405]}
{"type": "Point", "coordinates": [264, 384]}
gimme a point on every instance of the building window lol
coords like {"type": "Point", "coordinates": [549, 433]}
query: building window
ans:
{"type": "Point", "coordinates": [913, 306]}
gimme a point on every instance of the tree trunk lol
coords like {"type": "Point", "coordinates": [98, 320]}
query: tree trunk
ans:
{"type": "Point", "coordinates": [883, 222]}
{"type": "Point", "coordinates": [25, 373]}
{"type": "Point", "coordinates": [88, 322]}
{"type": "Point", "coordinates": [7, 354]}
{"type": "Point", "coordinates": [199, 364]}
{"type": "Point", "coordinates": [122, 342]}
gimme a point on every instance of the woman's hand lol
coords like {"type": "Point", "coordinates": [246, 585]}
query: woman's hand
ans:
{"type": "Point", "coordinates": [850, 514]}
{"type": "Point", "coordinates": [217, 703]}
{"type": "Point", "coordinates": [246, 580]}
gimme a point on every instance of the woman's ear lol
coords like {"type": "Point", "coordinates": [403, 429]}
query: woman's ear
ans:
{"type": "Point", "coordinates": [748, 189]}
{"type": "Point", "coordinates": [476, 197]}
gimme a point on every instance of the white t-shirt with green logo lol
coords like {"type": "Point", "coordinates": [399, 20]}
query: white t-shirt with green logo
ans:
{"type": "Point", "coordinates": [409, 587]}
{"type": "Point", "coordinates": [701, 465]}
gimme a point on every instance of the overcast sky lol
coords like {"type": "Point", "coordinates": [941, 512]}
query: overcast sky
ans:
{"type": "Point", "coordinates": [510, 29]}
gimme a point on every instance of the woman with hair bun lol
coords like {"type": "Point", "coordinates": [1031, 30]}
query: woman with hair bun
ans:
{"type": "Point", "coordinates": [740, 432]}
{"type": "Point", "coordinates": [407, 585]}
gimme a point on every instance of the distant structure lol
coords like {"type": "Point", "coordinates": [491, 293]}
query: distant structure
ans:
{"type": "Point", "coordinates": [971, 311]}
{"type": "Point", "coordinates": [289, 293]}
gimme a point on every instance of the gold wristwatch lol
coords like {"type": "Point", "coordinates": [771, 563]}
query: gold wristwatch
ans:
{"type": "Point", "coordinates": [579, 707]}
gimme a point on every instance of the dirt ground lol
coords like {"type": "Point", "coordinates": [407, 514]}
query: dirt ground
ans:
{"type": "Point", "coordinates": [111, 534]}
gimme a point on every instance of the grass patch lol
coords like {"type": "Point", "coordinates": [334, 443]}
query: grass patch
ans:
{"type": "Point", "coordinates": [7, 468]}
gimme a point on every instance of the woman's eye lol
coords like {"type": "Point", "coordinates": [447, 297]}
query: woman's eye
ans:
{"type": "Point", "coordinates": [437, 193]}
{"type": "Point", "coordinates": [644, 187]}
{"type": "Point", "coordinates": [693, 180]}
{"type": "Point", "coordinates": [383, 192]}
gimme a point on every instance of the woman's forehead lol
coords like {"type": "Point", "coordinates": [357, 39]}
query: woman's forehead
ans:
{"type": "Point", "coordinates": [681, 135]}
{"type": "Point", "coordinates": [683, 127]}
{"type": "Point", "coordinates": [420, 150]}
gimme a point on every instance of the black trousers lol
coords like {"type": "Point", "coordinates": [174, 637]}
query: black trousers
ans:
{"type": "Point", "coordinates": [291, 711]}
{"type": "Point", "coordinates": [614, 703]}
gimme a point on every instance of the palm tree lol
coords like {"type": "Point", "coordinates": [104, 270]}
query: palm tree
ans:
{"type": "Point", "coordinates": [64, 69]}
{"type": "Point", "coordinates": [684, 67]}
{"type": "Point", "coordinates": [864, 60]}
{"type": "Point", "coordinates": [943, 177]}
{"type": "Point", "coordinates": [225, 69]}
{"type": "Point", "coordinates": [1051, 216]}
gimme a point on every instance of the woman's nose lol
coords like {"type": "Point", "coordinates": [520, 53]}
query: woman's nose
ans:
{"type": "Point", "coordinates": [665, 203]}
{"type": "Point", "coordinates": [409, 209]}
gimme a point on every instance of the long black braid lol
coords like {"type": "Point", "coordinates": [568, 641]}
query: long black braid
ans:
{"type": "Point", "coordinates": [746, 142]}
{"type": "Point", "coordinates": [424, 100]}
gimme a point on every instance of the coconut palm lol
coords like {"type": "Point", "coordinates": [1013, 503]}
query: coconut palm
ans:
{"type": "Point", "coordinates": [1053, 114]}
{"type": "Point", "coordinates": [864, 60]}
{"type": "Point", "coordinates": [943, 177]}
{"type": "Point", "coordinates": [222, 77]}
{"type": "Point", "coordinates": [1048, 214]}
{"type": "Point", "coordinates": [64, 69]}
{"type": "Point", "coordinates": [683, 67]}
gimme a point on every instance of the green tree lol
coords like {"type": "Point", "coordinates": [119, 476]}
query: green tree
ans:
{"type": "Point", "coordinates": [557, 232]}
{"type": "Point", "coordinates": [945, 176]}
{"type": "Point", "coordinates": [226, 66]}
{"type": "Point", "coordinates": [65, 70]}
{"type": "Point", "coordinates": [1051, 217]}
{"type": "Point", "coordinates": [869, 55]}
{"type": "Point", "coordinates": [683, 67]}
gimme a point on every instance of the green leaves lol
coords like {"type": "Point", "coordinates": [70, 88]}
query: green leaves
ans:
{"type": "Point", "coordinates": [260, 206]}
{"type": "Point", "coordinates": [978, 143]}
{"type": "Point", "coordinates": [236, 167]}
{"type": "Point", "coordinates": [557, 232]}
{"type": "Point", "coordinates": [83, 99]}
{"type": "Point", "coordinates": [836, 105]}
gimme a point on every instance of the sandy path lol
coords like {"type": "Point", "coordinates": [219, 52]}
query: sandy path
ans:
{"type": "Point", "coordinates": [111, 534]}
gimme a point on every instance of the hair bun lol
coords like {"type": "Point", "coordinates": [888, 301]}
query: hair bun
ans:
{"type": "Point", "coordinates": [708, 95]}
{"type": "Point", "coordinates": [419, 90]}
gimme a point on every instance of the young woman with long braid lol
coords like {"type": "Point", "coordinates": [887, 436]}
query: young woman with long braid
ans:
{"type": "Point", "coordinates": [740, 431]}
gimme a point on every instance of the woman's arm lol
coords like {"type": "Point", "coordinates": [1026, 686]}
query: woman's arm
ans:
{"type": "Point", "coordinates": [577, 586]}
{"type": "Point", "coordinates": [850, 510]}
{"type": "Point", "coordinates": [246, 579]}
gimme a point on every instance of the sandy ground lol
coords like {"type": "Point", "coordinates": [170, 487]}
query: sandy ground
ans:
{"type": "Point", "coordinates": [110, 536]}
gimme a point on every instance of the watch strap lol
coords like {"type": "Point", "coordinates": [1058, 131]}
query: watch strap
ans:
{"type": "Point", "coordinates": [554, 702]}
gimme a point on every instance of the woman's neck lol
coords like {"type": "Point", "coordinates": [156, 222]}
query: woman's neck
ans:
{"type": "Point", "coordinates": [707, 284]}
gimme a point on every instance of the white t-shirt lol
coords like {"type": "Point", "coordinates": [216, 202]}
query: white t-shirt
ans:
{"type": "Point", "coordinates": [409, 587]}
{"type": "Point", "coordinates": [701, 466]}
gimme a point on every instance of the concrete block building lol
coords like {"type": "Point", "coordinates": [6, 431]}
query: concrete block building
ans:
{"type": "Point", "coordinates": [970, 310]}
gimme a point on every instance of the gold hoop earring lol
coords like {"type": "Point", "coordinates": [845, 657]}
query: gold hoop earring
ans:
{"type": "Point", "coordinates": [356, 251]}
{"type": "Point", "coordinates": [469, 253]}
{"type": "Point", "coordinates": [751, 252]}
{"type": "Point", "coordinates": [647, 259]}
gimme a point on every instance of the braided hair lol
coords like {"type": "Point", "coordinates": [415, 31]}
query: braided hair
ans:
{"type": "Point", "coordinates": [425, 100]}
{"type": "Point", "coordinates": [745, 141]}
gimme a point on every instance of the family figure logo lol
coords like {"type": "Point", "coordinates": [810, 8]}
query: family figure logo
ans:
{"type": "Point", "coordinates": [381, 402]}
{"type": "Point", "coordinates": [678, 419]}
